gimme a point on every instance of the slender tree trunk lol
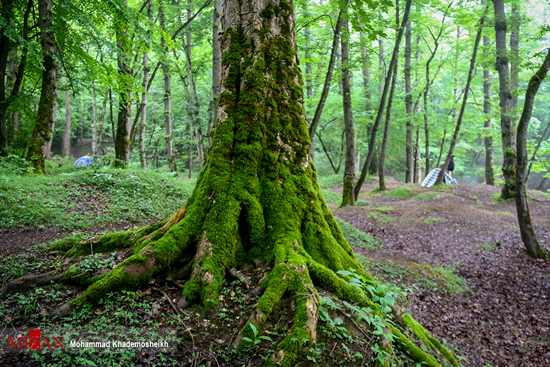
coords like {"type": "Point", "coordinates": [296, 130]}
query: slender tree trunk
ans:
{"type": "Point", "coordinates": [7, 13]}
{"type": "Point", "coordinates": [454, 139]}
{"type": "Point", "coordinates": [94, 124]}
{"type": "Point", "coordinates": [524, 218]}
{"type": "Point", "coordinates": [146, 69]}
{"type": "Point", "coordinates": [514, 59]}
{"type": "Point", "coordinates": [170, 157]}
{"type": "Point", "coordinates": [489, 172]}
{"type": "Point", "coordinates": [102, 123]}
{"type": "Point", "coordinates": [506, 122]}
{"type": "Point", "coordinates": [124, 121]}
{"type": "Point", "coordinates": [348, 197]}
{"type": "Point", "coordinates": [111, 114]}
{"type": "Point", "coordinates": [44, 118]}
{"type": "Point", "coordinates": [66, 143]}
{"type": "Point", "coordinates": [326, 86]}
{"type": "Point", "coordinates": [409, 149]}
{"type": "Point", "coordinates": [216, 70]}
{"type": "Point", "coordinates": [382, 105]}
{"type": "Point", "coordinates": [382, 158]}
{"type": "Point", "coordinates": [48, 145]}
{"type": "Point", "coordinates": [193, 105]}
{"type": "Point", "coordinates": [417, 158]}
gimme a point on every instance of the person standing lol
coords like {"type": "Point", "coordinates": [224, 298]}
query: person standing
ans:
{"type": "Point", "coordinates": [451, 166]}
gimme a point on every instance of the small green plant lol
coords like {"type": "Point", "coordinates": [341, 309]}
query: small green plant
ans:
{"type": "Point", "coordinates": [385, 220]}
{"type": "Point", "coordinates": [255, 340]}
{"type": "Point", "coordinates": [93, 263]}
{"type": "Point", "coordinates": [384, 208]}
{"type": "Point", "coordinates": [331, 196]}
{"type": "Point", "coordinates": [505, 213]}
{"type": "Point", "coordinates": [488, 246]}
{"type": "Point", "coordinates": [363, 203]}
{"type": "Point", "coordinates": [431, 220]}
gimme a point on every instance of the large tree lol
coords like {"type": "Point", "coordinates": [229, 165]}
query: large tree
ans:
{"type": "Point", "coordinates": [257, 198]}
{"type": "Point", "coordinates": [44, 117]}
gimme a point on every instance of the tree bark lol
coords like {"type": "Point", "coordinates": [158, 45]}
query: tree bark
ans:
{"type": "Point", "coordinates": [514, 59]}
{"type": "Point", "coordinates": [309, 87]}
{"type": "Point", "coordinates": [505, 96]}
{"type": "Point", "coordinates": [454, 139]}
{"type": "Point", "coordinates": [124, 120]}
{"type": "Point", "coordinates": [7, 14]}
{"type": "Point", "coordinates": [489, 172]}
{"type": "Point", "coordinates": [193, 107]}
{"type": "Point", "coordinates": [66, 143]}
{"type": "Point", "coordinates": [326, 86]}
{"type": "Point", "coordinates": [382, 104]}
{"type": "Point", "coordinates": [216, 70]}
{"type": "Point", "coordinates": [528, 235]}
{"type": "Point", "coordinates": [44, 117]}
{"type": "Point", "coordinates": [146, 69]}
{"type": "Point", "coordinates": [348, 197]}
{"type": "Point", "coordinates": [94, 124]}
{"type": "Point", "coordinates": [382, 158]}
{"type": "Point", "coordinates": [48, 145]}
{"type": "Point", "coordinates": [417, 158]}
{"type": "Point", "coordinates": [170, 157]}
{"type": "Point", "coordinates": [409, 149]}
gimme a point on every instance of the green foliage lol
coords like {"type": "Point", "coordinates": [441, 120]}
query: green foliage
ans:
{"type": "Point", "coordinates": [401, 193]}
{"type": "Point", "coordinates": [331, 196]}
{"type": "Point", "coordinates": [82, 199]}
{"type": "Point", "coordinates": [427, 196]}
{"type": "Point", "coordinates": [357, 238]}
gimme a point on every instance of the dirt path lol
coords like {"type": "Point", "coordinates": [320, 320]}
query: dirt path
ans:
{"type": "Point", "coordinates": [505, 319]}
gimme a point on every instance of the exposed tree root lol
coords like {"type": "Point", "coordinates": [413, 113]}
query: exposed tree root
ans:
{"type": "Point", "coordinates": [25, 282]}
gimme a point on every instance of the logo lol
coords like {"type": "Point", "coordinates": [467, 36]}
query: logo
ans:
{"type": "Point", "coordinates": [34, 341]}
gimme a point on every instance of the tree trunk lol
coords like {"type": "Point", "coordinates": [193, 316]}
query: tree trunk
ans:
{"type": "Point", "coordinates": [94, 124]}
{"type": "Point", "coordinates": [48, 146]}
{"type": "Point", "coordinates": [454, 139]}
{"type": "Point", "coordinates": [124, 121]}
{"type": "Point", "coordinates": [417, 158]}
{"type": "Point", "coordinates": [409, 150]}
{"type": "Point", "coordinates": [349, 165]}
{"type": "Point", "coordinates": [102, 124]}
{"type": "Point", "coordinates": [193, 105]}
{"type": "Point", "coordinates": [44, 117]}
{"type": "Point", "coordinates": [66, 143]}
{"type": "Point", "coordinates": [326, 86]}
{"type": "Point", "coordinates": [216, 70]}
{"type": "Point", "coordinates": [514, 59]}
{"type": "Point", "coordinates": [382, 158]}
{"type": "Point", "coordinates": [505, 96]}
{"type": "Point", "coordinates": [7, 14]}
{"type": "Point", "coordinates": [382, 105]}
{"type": "Point", "coordinates": [524, 218]}
{"type": "Point", "coordinates": [170, 157]}
{"type": "Point", "coordinates": [309, 87]}
{"type": "Point", "coordinates": [146, 69]}
{"type": "Point", "coordinates": [489, 172]}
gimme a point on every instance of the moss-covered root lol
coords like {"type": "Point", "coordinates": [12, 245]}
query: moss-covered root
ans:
{"type": "Point", "coordinates": [109, 242]}
{"type": "Point", "coordinates": [407, 321]}
{"type": "Point", "coordinates": [25, 282]}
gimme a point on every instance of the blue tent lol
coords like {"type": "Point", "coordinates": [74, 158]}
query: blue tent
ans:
{"type": "Point", "coordinates": [432, 177]}
{"type": "Point", "coordinates": [83, 161]}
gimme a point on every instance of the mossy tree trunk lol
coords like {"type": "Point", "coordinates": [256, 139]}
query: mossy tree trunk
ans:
{"type": "Point", "coordinates": [125, 78]}
{"type": "Point", "coordinates": [524, 218]}
{"type": "Point", "coordinates": [257, 198]}
{"type": "Point", "coordinates": [348, 198]}
{"type": "Point", "coordinates": [44, 117]}
{"type": "Point", "coordinates": [489, 172]}
{"type": "Point", "coordinates": [506, 99]}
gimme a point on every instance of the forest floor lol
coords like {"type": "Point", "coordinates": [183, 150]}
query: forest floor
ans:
{"type": "Point", "coordinates": [456, 251]}
{"type": "Point", "coordinates": [502, 318]}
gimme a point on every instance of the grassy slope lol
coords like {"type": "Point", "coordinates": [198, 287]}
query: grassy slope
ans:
{"type": "Point", "coordinates": [79, 199]}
